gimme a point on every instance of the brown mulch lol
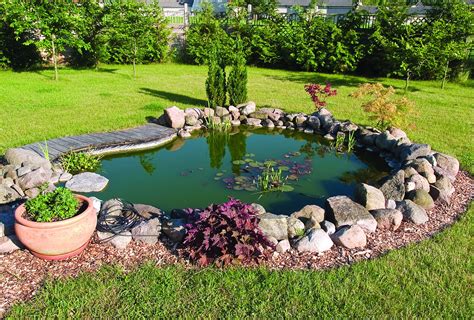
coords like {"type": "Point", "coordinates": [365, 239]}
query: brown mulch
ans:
{"type": "Point", "coordinates": [22, 274]}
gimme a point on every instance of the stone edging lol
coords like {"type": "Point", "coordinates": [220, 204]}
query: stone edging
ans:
{"type": "Point", "coordinates": [419, 177]}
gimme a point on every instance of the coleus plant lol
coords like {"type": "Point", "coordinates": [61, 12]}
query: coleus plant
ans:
{"type": "Point", "coordinates": [319, 93]}
{"type": "Point", "coordinates": [224, 234]}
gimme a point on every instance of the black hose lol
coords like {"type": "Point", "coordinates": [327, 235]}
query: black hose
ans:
{"type": "Point", "coordinates": [118, 219]}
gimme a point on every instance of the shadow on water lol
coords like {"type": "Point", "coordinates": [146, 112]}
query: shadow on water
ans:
{"type": "Point", "coordinates": [173, 97]}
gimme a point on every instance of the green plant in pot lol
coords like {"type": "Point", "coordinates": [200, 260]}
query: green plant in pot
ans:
{"type": "Point", "coordinates": [56, 225]}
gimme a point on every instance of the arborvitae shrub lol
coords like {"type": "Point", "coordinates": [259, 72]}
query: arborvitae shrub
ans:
{"type": "Point", "coordinates": [215, 83]}
{"type": "Point", "coordinates": [237, 85]}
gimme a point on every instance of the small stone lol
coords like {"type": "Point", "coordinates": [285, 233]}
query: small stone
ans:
{"type": "Point", "coordinates": [65, 177]}
{"type": "Point", "coordinates": [439, 196]}
{"type": "Point", "coordinates": [296, 227]}
{"type": "Point", "coordinates": [424, 168]}
{"type": "Point", "coordinates": [283, 246]}
{"type": "Point", "coordinates": [191, 120]}
{"type": "Point", "coordinates": [87, 182]}
{"type": "Point", "coordinates": [55, 177]}
{"type": "Point", "coordinates": [350, 237]}
{"type": "Point", "coordinates": [328, 226]}
{"type": "Point", "coordinates": [235, 123]}
{"type": "Point", "coordinates": [311, 215]}
{"type": "Point", "coordinates": [253, 122]}
{"type": "Point", "coordinates": [147, 231]}
{"type": "Point", "coordinates": [119, 241]}
{"type": "Point", "coordinates": [96, 203]}
{"type": "Point", "coordinates": [421, 198]}
{"type": "Point", "coordinates": [419, 182]}
{"type": "Point", "coordinates": [8, 194]}
{"type": "Point", "coordinates": [308, 131]}
{"type": "Point", "coordinates": [273, 225]}
{"type": "Point", "coordinates": [9, 244]}
{"type": "Point", "coordinates": [184, 134]}
{"type": "Point", "coordinates": [317, 240]}
{"type": "Point", "coordinates": [268, 123]}
{"type": "Point", "coordinates": [391, 204]}
{"type": "Point", "coordinates": [259, 209]}
{"type": "Point", "coordinates": [208, 112]}
{"type": "Point", "coordinates": [370, 197]}
{"type": "Point", "coordinates": [247, 108]}
{"type": "Point", "coordinates": [174, 229]}
{"type": "Point", "coordinates": [175, 117]}
{"type": "Point", "coordinates": [329, 137]}
{"type": "Point", "coordinates": [397, 133]}
{"type": "Point", "coordinates": [412, 212]}
{"type": "Point", "coordinates": [387, 218]}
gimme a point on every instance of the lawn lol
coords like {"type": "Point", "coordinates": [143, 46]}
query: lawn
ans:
{"type": "Point", "coordinates": [432, 279]}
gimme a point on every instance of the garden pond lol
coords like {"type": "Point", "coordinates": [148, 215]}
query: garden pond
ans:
{"type": "Point", "coordinates": [212, 166]}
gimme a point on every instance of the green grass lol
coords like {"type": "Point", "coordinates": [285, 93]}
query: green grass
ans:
{"type": "Point", "coordinates": [33, 107]}
{"type": "Point", "coordinates": [431, 279]}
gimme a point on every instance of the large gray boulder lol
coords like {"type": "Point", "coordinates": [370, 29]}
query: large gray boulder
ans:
{"type": "Point", "coordinates": [385, 141]}
{"type": "Point", "coordinates": [147, 231]}
{"type": "Point", "coordinates": [350, 237]}
{"type": "Point", "coordinates": [370, 197]}
{"type": "Point", "coordinates": [273, 225]}
{"type": "Point", "coordinates": [315, 241]}
{"type": "Point", "coordinates": [448, 163]}
{"type": "Point", "coordinates": [412, 212]}
{"type": "Point", "coordinates": [87, 182]}
{"type": "Point", "coordinates": [119, 241]}
{"type": "Point", "coordinates": [413, 151]}
{"type": "Point", "coordinates": [253, 122]}
{"type": "Point", "coordinates": [17, 156]}
{"type": "Point", "coordinates": [35, 178]}
{"type": "Point", "coordinates": [387, 218]}
{"type": "Point", "coordinates": [343, 211]}
{"type": "Point", "coordinates": [394, 186]}
{"type": "Point", "coordinates": [175, 117]}
{"type": "Point", "coordinates": [313, 122]}
{"type": "Point", "coordinates": [311, 215]}
{"type": "Point", "coordinates": [283, 246]}
{"type": "Point", "coordinates": [147, 211]}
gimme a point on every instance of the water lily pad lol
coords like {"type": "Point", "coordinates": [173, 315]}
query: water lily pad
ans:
{"type": "Point", "coordinates": [241, 178]}
{"type": "Point", "coordinates": [255, 164]}
{"type": "Point", "coordinates": [238, 188]}
{"type": "Point", "coordinates": [286, 188]}
{"type": "Point", "coordinates": [292, 177]}
{"type": "Point", "coordinates": [238, 162]}
{"type": "Point", "coordinates": [251, 188]}
{"type": "Point", "coordinates": [219, 174]}
{"type": "Point", "coordinates": [250, 155]}
{"type": "Point", "coordinates": [217, 178]}
{"type": "Point", "coordinates": [283, 168]}
{"type": "Point", "coordinates": [270, 163]}
{"type": "Point", "coordinates": [248, 160]}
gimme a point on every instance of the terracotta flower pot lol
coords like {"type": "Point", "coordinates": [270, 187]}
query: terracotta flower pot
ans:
{"type": "Point", "coordinates": [57, 240]}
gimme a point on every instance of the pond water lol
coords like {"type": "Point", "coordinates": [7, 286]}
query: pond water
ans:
{"type": "Point", "coordinates": [211, 167]}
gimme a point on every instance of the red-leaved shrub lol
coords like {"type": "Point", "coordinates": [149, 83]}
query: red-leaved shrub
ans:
{"type": "Point", "coordinates": [319, 94]}
{"type": "Point", "coordinates": [225, 234]}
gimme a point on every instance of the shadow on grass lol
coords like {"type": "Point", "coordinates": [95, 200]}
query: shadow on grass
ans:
{"type": "Point", "coordinates": [173, 97]}
{"type": "Point", "coordinates": [349, 81]}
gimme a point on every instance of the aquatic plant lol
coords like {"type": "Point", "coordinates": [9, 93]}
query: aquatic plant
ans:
{"type": "Point", "coordinates": [338, 144]}
{"type": "Point", "coordinates": [224, 234]}
{"type": "Point", "coordinates": [319, 94]}
{"type": "Point", "coordinates": [77, 162]}
{"type": "Point", "coordinates": [272, 179]}
{"type": "Point", "coordinates": [351, 141]}
{"type": "Point", "coordinates": [212, 124]}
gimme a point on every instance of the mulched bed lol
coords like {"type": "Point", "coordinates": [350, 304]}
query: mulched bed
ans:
{"type": "Point", "coordinates": [22, 274]}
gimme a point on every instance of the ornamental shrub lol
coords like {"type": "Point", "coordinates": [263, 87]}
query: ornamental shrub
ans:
{"type": "Point", "coordinates": [319, 94]}
{"type": "Point", "coordinates": [215, 82]}
{"type": "Point", "coordinates": [226, 234]}
{"type": "Point", "coordinates": [237, 83]}
{"type": "Point", "coordinates": [60, 204]}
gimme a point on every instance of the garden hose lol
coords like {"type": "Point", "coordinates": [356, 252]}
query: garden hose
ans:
{"type": "Point", "coordinates": [118, 219]}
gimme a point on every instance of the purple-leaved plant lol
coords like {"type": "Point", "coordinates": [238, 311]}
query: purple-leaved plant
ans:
{"type": "Point", "coordinates": [319, 94]}
{"type": "Point", "coordinates": [226, 233]}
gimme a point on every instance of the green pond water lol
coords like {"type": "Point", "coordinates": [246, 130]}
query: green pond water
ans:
{"type": "Point", "coordinates": [211, 167]}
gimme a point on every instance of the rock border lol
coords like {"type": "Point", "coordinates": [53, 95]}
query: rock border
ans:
{"type": "Point", "coordinates": [419, 177]}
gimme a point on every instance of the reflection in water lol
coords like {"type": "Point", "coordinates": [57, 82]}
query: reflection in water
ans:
{"type": "Point", "coordinates": [146, 163]}
{"type": "Point", "coordinates": [238, 149]}
{"type": "Point", "coordinates": [216, 141]}
{"type": "Point", "coordinates": [365, 175]}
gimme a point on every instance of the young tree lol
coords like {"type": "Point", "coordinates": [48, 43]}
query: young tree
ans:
{"type": "Point", "coordinates": [133, 29]}
{"type": "Point", "coordinates": [54, 25]}
{"type": "Point", "coordinates": [237, 83]}
{"type": "Point", "coordinates": [215, 83]}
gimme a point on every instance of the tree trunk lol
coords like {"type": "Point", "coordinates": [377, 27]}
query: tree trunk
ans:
{"type": "Point", "coordinates": [55, 59]}
{"type": "Point", "coordinates": [445, 75]}
{"type": "Point", "coordinates": [407, 81]}
{"type": "Point", "coordinates": [134, 59]}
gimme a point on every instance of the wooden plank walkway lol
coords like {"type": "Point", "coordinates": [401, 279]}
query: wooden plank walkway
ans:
{"type": "Point", "coordinates": [139, 138]}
